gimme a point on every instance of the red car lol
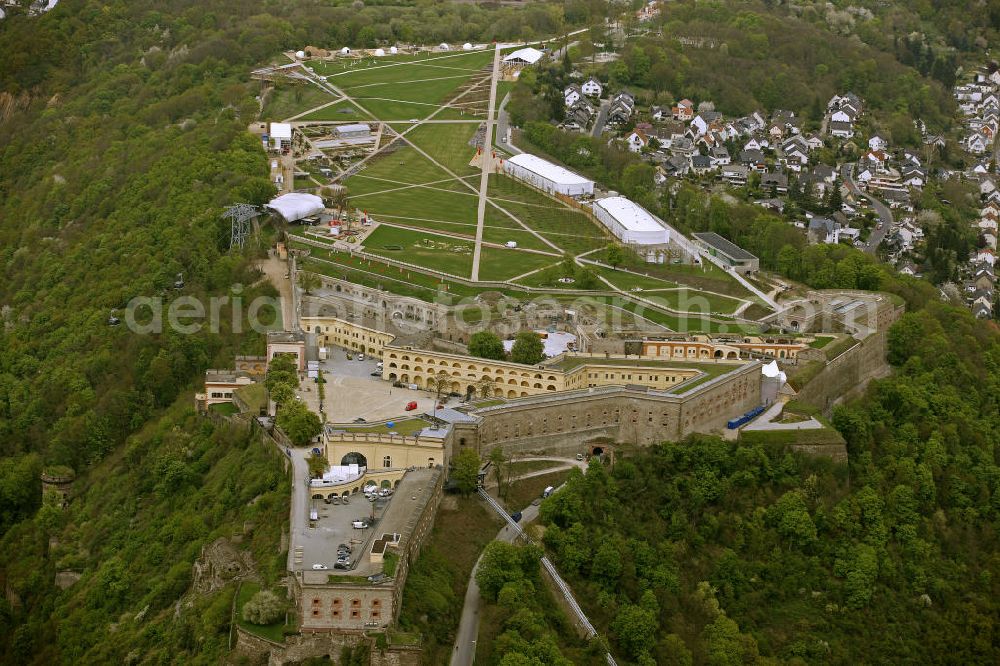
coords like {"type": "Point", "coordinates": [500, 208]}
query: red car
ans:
{"type": "Point", "coordinates": [410, 406]}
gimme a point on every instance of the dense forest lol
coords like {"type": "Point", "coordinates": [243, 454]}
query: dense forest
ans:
{"type": "Point", "coordinates": [712, 552]}
{"type": "Point", "coordinates": [122, 138]}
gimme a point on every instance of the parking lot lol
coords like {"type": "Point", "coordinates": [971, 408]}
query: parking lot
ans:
{"type": "Point", "coordinates": [333, 527]}
{"type": "Point", "coordinates": [352, 391]}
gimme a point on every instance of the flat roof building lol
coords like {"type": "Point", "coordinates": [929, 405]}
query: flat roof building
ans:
{"type": "Point", "coordinates": [629, 222]}
{"type": "Point", "coordinates": [281, 135]}
{"type": "Point", "coordinates": [546, 176]}
{"type": "Point", "coordinates": [732, 254]}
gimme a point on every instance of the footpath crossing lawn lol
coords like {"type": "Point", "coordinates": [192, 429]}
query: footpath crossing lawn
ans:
{"type": "Point", "coordinates": [340, 111]}
{"type": "Point", "coordinates": [448, 144]}
{"type": "Point", "coordinates": [286, 101]}
{"type": "Point", "coordinates": [440, 253]}
{"type": "Point", "coordinates": [503, 264]}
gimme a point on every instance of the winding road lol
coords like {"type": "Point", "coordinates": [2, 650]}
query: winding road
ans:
{"type": "Point", "coordinates": [884, 214]}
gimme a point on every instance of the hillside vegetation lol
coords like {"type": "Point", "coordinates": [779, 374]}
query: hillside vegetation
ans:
{"type": "Point", "coordinates": [719, 553]}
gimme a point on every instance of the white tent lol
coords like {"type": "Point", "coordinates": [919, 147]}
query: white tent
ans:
{"type": "Point", "coordinates": [296, 205]}
{"type": "Point", "coordinates": [525, 56]}
{"type": "Point", "coordinates": [467, 46]}
{"type": "Point", "coordinates": [300, 54]}
{"type": "Point", "coordinates": [345, 51]}
{"type": "Point", "coordinates": [379, 53]}
{"type": "Point", "coordinates": [443, 46]}
{"type": "Point", "coordinates": [393, 50]}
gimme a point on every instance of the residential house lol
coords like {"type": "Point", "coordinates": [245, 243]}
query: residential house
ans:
{"type": "Point", "coordinates": [592, 87]}
{"type": "Point", "coordinates": [701, 164]}
{"type": "Point", "coordinates": [660, 113]}
{"type": "Point", "coordinates": [813, 142]}
{"type": "Point", "coordinates": [580, 114]}
{"type": "Point", "coordinates": [755, 144]}
{"type": "Point", "coordinates": [719, 156]}
{"type": "Point", "coordinates": [823, 230]}
{"type": "Point", "coordinates": [572, 94]}
{"type": "Point", "coordinates": [734, 174]}
{"type": "Point", "coordinates": [824, 173]}
{"type": "Point", "coordinates": [637, 141]}
{"type": "Point", "coordinates": [622, 106]}
{"type": "Point", "coordinates": [977, 143]}
{"type": "Point", "coordinates": [841, 129]}
{"type": "Point", "coordinates": [682, 146]}
{"type": "Point", "coordinates": [795, 158]}
{"type": "Point", "coordinates": [684, 110]}
{"type": "Point", "coordinates": [877, 143]}
{"type": "Point", "coordinates": [677, 165]}
{"type": "Point", "coordinates": [913, 176]}
{"type": "Point", "coordinates": [704, 120]}
{"type": "Point", "coordinates": [774, 181]}
{"type": "Point", "coordinates": [753, 159]}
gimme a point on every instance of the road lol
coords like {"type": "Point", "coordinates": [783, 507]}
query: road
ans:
{"type": "Point", "coordinates": [884, 214]}
{"type": "Point", "coordinates": [298, 524]}
{"type": "Point", "coordinates": [464, 653]}
{"type": "Point", "coordinates": [602, 118]}
{"type": "Point", "coordinates": [503, 128]}
{"type": "Point", "coordinates": [487, 160]}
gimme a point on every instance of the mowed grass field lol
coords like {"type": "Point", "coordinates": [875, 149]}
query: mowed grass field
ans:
{"type": "Point", "coordinates": [441, 253]}
{"type": "Point", "coordinates": [448, 144]}
{"type": "Point", "coordinates": [506, 263]}
{"type": "Point", "coordinates": [568, 228]}
{"type": "Point", "coordinates": [286, 101]}
{"type": "Point", "coordinates": [339, 111]}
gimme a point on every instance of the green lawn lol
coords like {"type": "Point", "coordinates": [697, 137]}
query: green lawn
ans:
{"type": "Point", "coordinates": [273, 632]}
{"type": "Point", "coordinates": [441, 253]}
{"type": "Point", "coordinates": [387, 107]}
{"type": "Point", "coordinates": [626, 281]}
{"type": "Point", "coordinates": [570, 230]}
{"type": "Point", "coordinates": [503, 264]}
{"type": "Point", "coordinates": [425, 208]}
{"type": "Point", "coordinates": [401, 427]}
{"type": "Point", "coordinates": [338, 111]}
{"type": "Point", "coordinates": [286, 101]}
{"type": "Point", "coordinates": [822, 341]}
{"type": "Point", "coordinates": [448, 144]}
{"type": "Point", "coordinates": [224, 408]}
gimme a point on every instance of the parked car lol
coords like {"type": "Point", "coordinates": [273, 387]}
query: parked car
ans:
{"type": "Point", "coordinates": [359, 524]}
{"type": "Point", "coordinates": [341, 565]}
{"type": "Point", "coordinates": [335, 500]}
{"type": "Point", "coordinates": [320, 567]}
{"type": "Point", "coordinates": [360, 420]}
{"type": "Point", "coordinates": [411, 405]}
{"type": "Point", "coordinates": [516, 516]}
{"type": "Point", "coordinates": [343, 500]}
{"type": "Point", "coordinates": [361, 357]}
{"type": "Point", "coordinates": [316, 452]}
{"type": "Point", "coordinates": [579, 456]}
{"type": "Point", "coordinates": [377, 373]}
{"type": "Point", "coordinates": [548, 491]}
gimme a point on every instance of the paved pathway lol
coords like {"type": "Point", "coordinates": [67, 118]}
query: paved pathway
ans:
{"type": "Point", "coordinates": [486, 157]}
{"type": "Point", "coordinates": [464, 653]}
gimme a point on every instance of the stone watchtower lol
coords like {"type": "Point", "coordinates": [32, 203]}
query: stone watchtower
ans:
{"type": "Point", "coordinates": [58, 479]}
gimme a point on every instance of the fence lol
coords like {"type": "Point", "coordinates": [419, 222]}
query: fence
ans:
{"type": "Point", "coordinates": [551, 569]}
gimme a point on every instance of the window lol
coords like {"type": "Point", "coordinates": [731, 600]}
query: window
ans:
{"type": "Point", "coordinates": [355, 603]}
{"type": "Point", "coordinates": [387, 461]}
{"type": "Point", "coordinates": [335, 614]}
{"type": "Point", "coordinates": [315, 612]}
{"type": "Point", "coordinates": [316, 601]}
{"type": "Point", "coordinates": [355, 614]}
{"type": "Point", "coordinates": [376, 614]}
{"type": "Point", "coordinates": [376, 603]}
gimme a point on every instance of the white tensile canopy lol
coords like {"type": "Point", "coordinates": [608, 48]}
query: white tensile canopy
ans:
{"type": "Point", "coordinates": [467, 46]}
{"type": "Point", "coordinates": [527, 56]}
{"type": "Point", "coordinates": [379, 53]}
{"type": "Point", "coordinates": [300, 54]}
{"type": "Point", "coordinates": [296, 205]}
{"type": "Point", "coordinates": [393, 50]}
{"type": "Point", "coordinates": [345, 50]}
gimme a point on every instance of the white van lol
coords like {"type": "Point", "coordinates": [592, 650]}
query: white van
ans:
{"type": "Point", "coordinates": [548, 491]}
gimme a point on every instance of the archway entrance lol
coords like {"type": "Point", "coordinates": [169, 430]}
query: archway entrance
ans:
{"type": "Point", "coordinates": [354, 458]}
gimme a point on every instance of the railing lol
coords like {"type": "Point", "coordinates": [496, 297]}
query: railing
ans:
{"type": "Point", "coordinates": [551, 569]}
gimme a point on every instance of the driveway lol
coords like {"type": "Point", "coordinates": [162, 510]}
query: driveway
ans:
{"type": "Point", "coordinates": [352, 392]}
{"type": "Point", "coordinates": [884, 214]}
{"type": "Point", "coordinates": [602, 118]}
